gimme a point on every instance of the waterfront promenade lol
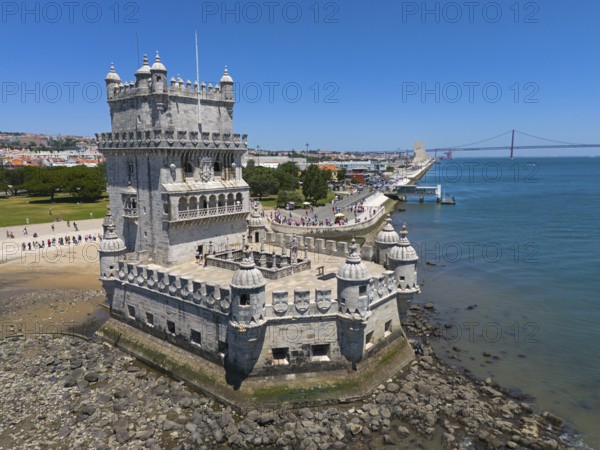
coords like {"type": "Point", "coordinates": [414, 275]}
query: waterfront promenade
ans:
{"type": "Point", "coordinates": [373, 210]}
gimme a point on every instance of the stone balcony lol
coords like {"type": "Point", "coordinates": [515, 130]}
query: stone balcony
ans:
{"type": "Point", "coordinates": [208, 212]}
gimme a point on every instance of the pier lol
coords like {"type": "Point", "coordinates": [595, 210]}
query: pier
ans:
{"type": "Point", "coordinates": [404, 191]}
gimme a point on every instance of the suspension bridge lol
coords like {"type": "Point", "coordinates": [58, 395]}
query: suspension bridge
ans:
{"type": "Point", "coordinates": [540, 144]}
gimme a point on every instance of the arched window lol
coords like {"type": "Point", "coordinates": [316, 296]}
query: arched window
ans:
{"type": "Point", "coordinates": [193, 204]}
{"type": "Point", "coordinates": [212, 201]}
{"type": "Point", "coordinates": [203, 202]}
{"type": "Point", "coordinates": [222, 200]}
{"type": "Point", "coordinates": [217, 168]}
{"type": "Point", "coordinates": [230, 200]}
{"type": "Point", "coordinates": [238, 198]}
{"type": "Point", "coordinates": [244, 300]}
{"type": "Point", "coordinates": [183, 204]}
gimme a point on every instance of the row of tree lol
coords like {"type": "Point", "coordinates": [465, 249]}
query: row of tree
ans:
{"type": "Point", "coordinates": [84, 183]}
{"type": "Point", "coordinates": [285, 181]}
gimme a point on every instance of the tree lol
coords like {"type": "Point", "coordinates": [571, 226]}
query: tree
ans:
{"type": "Point", "coordinates": [261, 181]}
{"type": "Point", "coordinates": [284, 197]}
{"type": "Point", "coordinates": [314, 184]}
{"type": "Point", "coordinates": [44, 180]}
{"type": "Point", "coordinates": [86, 183]}
{"type": "Point", "coordinates": [287, 176]}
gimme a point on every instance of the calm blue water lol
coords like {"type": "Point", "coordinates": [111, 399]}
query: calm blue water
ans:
{"type": "Point", "coordinates": [523, 244]}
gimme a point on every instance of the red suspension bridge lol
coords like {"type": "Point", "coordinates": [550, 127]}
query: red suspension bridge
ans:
{"type": "Point", "coordinates": [544, 144]}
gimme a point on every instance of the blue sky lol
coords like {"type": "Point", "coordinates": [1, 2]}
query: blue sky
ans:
{"type": "Point", "coordinates": [346, 75]}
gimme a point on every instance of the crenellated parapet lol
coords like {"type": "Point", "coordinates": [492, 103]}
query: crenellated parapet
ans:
{"type": "Point", "coordinates": [151, 278]}
{"type": "Point", "coordinates": [177, 89]}
{"type": "Point", "coordinates": [180, 139]}
{"type": "Point", "coordinates": [309, 244]}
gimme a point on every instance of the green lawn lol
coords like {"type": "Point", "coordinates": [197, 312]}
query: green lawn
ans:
{"type": "Point", "coordinates": [271, 201]}
{"type": "Point", "coordinates": [14, 210]}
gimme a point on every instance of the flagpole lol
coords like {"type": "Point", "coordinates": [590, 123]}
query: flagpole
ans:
{"type": "Point", "coordinates": [198, 79]}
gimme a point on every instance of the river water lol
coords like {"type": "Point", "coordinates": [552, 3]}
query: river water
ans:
{"type": "Point", "coordinates": [522, 244]}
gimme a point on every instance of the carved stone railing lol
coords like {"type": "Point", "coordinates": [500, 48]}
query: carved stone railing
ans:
{"type": "Point", "coordinates": [130, 212]}
{"type": "Point", "coordinates": [205, 212]}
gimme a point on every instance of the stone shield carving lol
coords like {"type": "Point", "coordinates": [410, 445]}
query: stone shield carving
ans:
{"type": "Point", "coordinates": [205, 169]}
{"type": "Point", "coordinates": [280, 304]}
{"type": "Point", "coordinates": [302, 301]}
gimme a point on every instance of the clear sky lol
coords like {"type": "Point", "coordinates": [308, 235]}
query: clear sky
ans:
{"type": "Point", "coordinates": [341, 75]}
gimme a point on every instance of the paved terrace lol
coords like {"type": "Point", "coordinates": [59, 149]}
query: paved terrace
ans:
{"type": "Point", "coordinates": [307, 279]}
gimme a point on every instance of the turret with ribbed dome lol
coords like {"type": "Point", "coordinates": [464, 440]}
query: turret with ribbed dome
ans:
{"type": "Point", "coordinates": [385, 240]}
{"type": "Point", "coordinates": [113, 80]}
{"type": "Point", "coordinates": [248, 293]}
{"type": "Point", "coordinates": [111, 250]}
{"type": "Point", "coordinates": [353, 284]}
{"type": "Point", "coordinates": [143, 74]}
{"type": "Point", "coordinates": [158, 66]}
{"type": "Point", "coordinates": [248, 276]}
{"type": "Point", "coordinates": [257, 230]}
{"type": "Point", "coordinates": [402, 259]}
{"type": "Point", "coordinates": [353, 269]}
{"type": "Point", "coordinates": [112, 76]}
{"type": "Point", "coordinates": [227, 85]}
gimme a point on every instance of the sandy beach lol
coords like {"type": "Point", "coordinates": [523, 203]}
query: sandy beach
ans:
{"type": "Point", "coordinates": [54, 288]}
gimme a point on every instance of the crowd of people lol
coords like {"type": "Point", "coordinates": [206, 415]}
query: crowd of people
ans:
{"type": "Point", "coordinates": [311, 219]}
{"type": "Point", "coordinates": [55, 241]}
{"type": "Point", "coordinates": [59, 241]}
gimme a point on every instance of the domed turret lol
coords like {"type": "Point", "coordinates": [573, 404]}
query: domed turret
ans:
{"type": "Point", "coordinates": [248, 293]}
{"type": "Point", "coordinates": [226, 78]}
{"type": "Point", "coordinates": [111, 250]}
{"type": "Point", "coordinates": [113, 80]}
{"type": "Point", "coordinates": [144, 71]}
{"type": "Point", "coordinates": [159, 75]}
{"type": "Point", "coordinates": [227, 85]}
{"type": "Point", "coordinates": [257, 230]}
{"type": "Point", "coordinates": [387, 235]}
{"type": "Point", "coordinates": [353, 268]}
{"type": "Point", "coordinates": [158, 66]}
{"type": "Point", "coordinates": [403, 251]}
{"type": "Point", "coordinates": [112, 77]}
{"type": "Point", "coordinates": [402, 259]}
{"type": "Point", "coordinates": [386, 239]}
{"type": "Point", "coordinates": [248, 276]}
{"type": "Point", "coordinates": [353, 284]}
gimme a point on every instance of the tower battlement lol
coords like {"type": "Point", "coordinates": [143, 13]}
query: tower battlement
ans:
{"type": "Point", "coordinates": [154, 102]}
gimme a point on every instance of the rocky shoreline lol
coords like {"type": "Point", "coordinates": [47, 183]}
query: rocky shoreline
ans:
{"type": "Point", "coordinates": [67, 392]}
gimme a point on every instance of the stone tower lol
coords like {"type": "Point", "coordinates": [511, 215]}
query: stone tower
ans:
{"type": "Point", "coordinates": [173, 165]}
